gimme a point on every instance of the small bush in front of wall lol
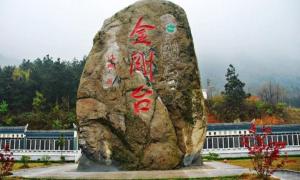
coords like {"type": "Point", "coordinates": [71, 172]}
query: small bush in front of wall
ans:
{"type": "Point", "coordinates": [46, 159]}
{"type": "Point", "coordinates": [62, 159]}
{"type": "Point", "coordinates": [25, 159]}
{"type": "Point", "coordinates": [212, 156]}
{"type": "Point", "coordinates": [6, 161]}
{"type": "Point", "coordinates": [263, 155]}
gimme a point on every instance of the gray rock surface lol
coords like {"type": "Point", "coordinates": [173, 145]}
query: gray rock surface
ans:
{"type": "Point", "coordinates": [139, 100]}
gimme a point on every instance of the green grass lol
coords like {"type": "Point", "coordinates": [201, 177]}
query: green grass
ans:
{"type": "Point", "coordinates": [19, 165]}
{"type": "Point", "coordinates": [293, 165]}
{"type": "Point", "coordinates": [208, 178]}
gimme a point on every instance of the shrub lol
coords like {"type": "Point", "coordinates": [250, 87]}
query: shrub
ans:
{"type": "Point", "coordinates": [6, 161]}
{"type": "Point", "coordinates": [212, 156]}
{"type": "Point", "coordinates": [263, 155]}
{"type": "Point", "coordinates": [280, 109]}
{"type": "Point", "coordinates": [25, 159]}
{"type": "Point", "coordinates": [46, 159]}
{"type": "Point", "coordinates": [62, 158]}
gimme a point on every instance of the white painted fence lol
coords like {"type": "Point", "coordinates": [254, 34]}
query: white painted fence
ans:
{"type": "Point", "coordinates": [74, 155]}
{"type": "Point", "coordinates": [242, 152]}
{"type": "Point", "coordinates": [70, 155]}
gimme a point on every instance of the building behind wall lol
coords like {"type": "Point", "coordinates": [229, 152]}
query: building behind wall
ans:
{"type": "Point", "coordinates": [224, 139]}
{"type": "Point", "coordinates": [39, 143]}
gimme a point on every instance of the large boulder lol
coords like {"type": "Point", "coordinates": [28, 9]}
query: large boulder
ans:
{"type": "Point", "coordinates": [140, 104]}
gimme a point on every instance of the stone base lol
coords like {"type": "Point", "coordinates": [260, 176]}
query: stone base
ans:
{"type": "Point", "coordinates": [87, 165]}
{"type": "Point", "coordinates": [68, 171]}
{"type": "Point", "coordinates": [193, 160]}
{"type": "Point", "coordinates": [198, 161]}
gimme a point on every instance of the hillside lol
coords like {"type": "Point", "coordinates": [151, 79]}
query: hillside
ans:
{"type": "Point", "coordinates": [293, 116]}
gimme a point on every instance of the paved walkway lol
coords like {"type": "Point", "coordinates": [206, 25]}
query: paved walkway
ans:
{"type": "Point", "coordinates": [68, 171]}
{"type": "Point", "coordinates": [287, 175]}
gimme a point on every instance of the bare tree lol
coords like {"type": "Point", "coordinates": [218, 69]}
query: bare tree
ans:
{"type": "Point", "coordinates": [271, 93]}
{"type": "Point", "coordinates": [210, 89]}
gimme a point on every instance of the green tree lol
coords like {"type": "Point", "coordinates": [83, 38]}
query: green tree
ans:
{"type": "Point", "coordinates": [61, 143]}
{"type": "Point", "coordinates": [234, 95]}
{"type": "Point", "coordinates": [3, 107]}
{"type": "Point", "coordinates": [39, 101]}
{"type": "Point", "coordinates": [4, 116]}
{"type": "Point", "coordinates": [57, 124]}
{"type": "Point", "coordinates": [19, 74]}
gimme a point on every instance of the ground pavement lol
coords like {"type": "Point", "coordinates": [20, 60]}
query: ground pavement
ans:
{"type": "Point", "coordinates": [287, 175]}
{"type": "Point", "coordinates": [210, 169]}
{"type": "Point", "coordinates": [68, 171]}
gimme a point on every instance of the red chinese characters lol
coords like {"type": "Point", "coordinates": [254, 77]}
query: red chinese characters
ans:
{"type": "Point", "coordinates": [111, 66]}
{"type": "Point", "coordinates": [110, 75]}
{"type": "Point", "coordinates": [142, 105]}
{"type": "Point", "coordinates": [109, 81]}
{"type": "Point", "coordinates": [139, 31]}
{"type": "Point", "coordinates": [111, 62]}
{"type": "Point", "coordinates": [139, 63]}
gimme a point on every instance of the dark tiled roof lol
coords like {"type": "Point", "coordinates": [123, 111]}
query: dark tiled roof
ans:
{"type": "Point", "coordinates": [246, 125]}
{"type": "Point", "coordinates": [49, 133]}
{"type": "Point", "coordinates": [36, 133]}
{"type": "Point", "coordinates": [282, 128]}
{"type": "Point", "coordinates": [228, 126]}
{"type": "Point", "coordinates": [12, 129]}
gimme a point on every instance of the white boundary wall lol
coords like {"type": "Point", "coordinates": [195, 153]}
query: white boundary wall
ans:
{"type": "Point", "coordinates": [242, 152]}
{"type": "Point", "coordinates": [36, 155]}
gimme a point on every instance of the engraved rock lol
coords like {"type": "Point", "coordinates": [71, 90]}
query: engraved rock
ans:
{"type": "Point", "coordinates": [140, 104]}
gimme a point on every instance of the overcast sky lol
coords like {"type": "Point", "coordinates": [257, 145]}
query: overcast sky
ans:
{"type": "Point", "coordinates": [65, 28]}
{"type": "Point", "coordinates": [224, 31]}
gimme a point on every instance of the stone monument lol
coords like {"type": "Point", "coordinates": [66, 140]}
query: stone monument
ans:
{"type": "Point", "coordinates": [140, 104]}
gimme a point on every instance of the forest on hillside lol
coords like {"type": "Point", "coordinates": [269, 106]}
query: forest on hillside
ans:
{"type": "Point", "coordinates": [42, 93]}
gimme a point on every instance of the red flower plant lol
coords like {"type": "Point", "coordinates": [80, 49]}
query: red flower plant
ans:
{"type": "Point", "coordinates": [263, 154]}
{"type": "Point", "coordinates": [6, 161]}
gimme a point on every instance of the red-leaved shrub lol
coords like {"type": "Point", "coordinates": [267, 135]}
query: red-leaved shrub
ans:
{"type": "Point", "coordinates": [263, 155]}
{"type": "Point", "coordinates": [6, 161]}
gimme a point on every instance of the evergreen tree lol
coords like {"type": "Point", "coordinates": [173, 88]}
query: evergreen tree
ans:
{"type": "Point", "coordinates": [3, 107]}
{"type": "Point", "coordinates": [38, 102]}
{"type": "Point", "coordinates": [234, 95]}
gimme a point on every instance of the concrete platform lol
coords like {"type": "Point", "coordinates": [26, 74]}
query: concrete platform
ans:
{"type": "Point", "coordinates": [68, 171]}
